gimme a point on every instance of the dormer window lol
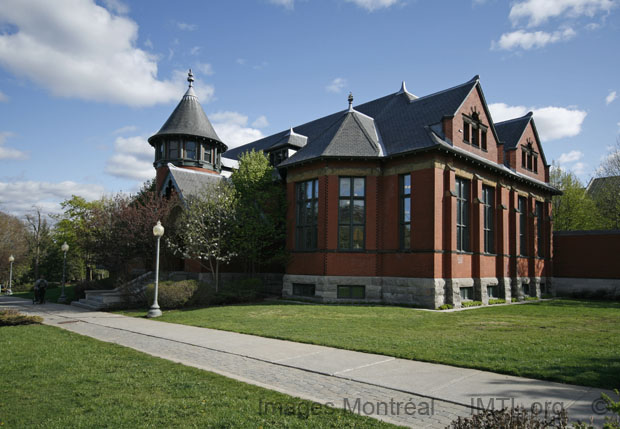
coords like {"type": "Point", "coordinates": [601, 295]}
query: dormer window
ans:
{"type": "Point", "coordinates": [277, 156]}
{"type": "Point", "coordinates": [529, 157]}
{"type": "Point", "coordinates": [474, 131]}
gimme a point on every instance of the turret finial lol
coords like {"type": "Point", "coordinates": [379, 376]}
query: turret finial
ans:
{"type": "Point", "coordinates": [350, 101]}
{"type": "Point", "coordinates": [190, 78]}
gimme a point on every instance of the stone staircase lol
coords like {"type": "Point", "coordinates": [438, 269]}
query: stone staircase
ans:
{"type": "Point", "coordinates": [126, 293]}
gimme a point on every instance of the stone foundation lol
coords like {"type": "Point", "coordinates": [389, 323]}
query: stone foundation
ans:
{"type": "Point", "coordinates": [419, 292]}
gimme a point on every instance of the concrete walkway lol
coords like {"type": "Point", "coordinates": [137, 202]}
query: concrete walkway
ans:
{"type": "Point", "coordinates": [410, 393]}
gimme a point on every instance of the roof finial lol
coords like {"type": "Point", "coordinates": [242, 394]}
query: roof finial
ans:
{"type": "Point", "coordinates": [350, 101]}
{"type": "Point", "coordinates": [190, 78]}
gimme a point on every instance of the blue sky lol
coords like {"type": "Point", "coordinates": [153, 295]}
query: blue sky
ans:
{"type": "Point", "coordinates": [84, 83]}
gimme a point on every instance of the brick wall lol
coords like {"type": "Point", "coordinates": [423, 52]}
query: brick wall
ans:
{"type": "Point", "coordinates": [587, 254]}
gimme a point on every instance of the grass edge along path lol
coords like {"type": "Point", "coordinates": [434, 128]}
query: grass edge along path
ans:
{"type": "Point", "coordinates": [568, 341]}
{"type": "Point", "coordinates": [53, 378]}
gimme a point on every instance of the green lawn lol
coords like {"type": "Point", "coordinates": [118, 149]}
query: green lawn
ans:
{"type": "Point", "coordinates": [562, 340]}
{"type": "Point", "coordinates": [50, 378]}
{"type": "Point", "coordinates": [51, 295]}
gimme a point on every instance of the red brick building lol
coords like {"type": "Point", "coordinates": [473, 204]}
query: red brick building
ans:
{"type": "Point", "coordinates": [414, 200]}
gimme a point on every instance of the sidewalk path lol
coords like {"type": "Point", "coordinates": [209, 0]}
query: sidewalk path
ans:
{"type": "Point", "coordinates": [415, 394]}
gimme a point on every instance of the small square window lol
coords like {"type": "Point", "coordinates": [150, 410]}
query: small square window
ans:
{"type": "Point", "coordinates": [351, 292]}
{"type": "Point", "coordinates": [493, 291]}
{"type": "Point", "coordinates": [303, 289]}
{"type": "Point", "coordinates": [467, 293]}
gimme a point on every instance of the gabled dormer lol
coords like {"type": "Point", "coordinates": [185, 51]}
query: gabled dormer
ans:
{"type": "Point", "coordinates": [522, 147]}
{"type": "Point", "coordinates": [470, 127]}
{"type": "Point", "coordinates": [286, 146]}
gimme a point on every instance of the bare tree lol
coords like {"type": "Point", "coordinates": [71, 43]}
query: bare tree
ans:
{"type": "Point", "coordinates": [38, 232]}
{"type": "Point", "coordinates": [606, 193]}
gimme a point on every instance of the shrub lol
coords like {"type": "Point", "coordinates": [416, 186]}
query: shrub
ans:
{"type": "Point", "coordinates": [511, 418]}
{"type": "Point", "coordinates": [13, 318]}
{"type": "Point", "coordinates": [445, 307]}
{"type": "Point", "coordinates": [497, 301]}
{"type": "Point", "coordinates": [245, 290]}
{"type": "Point", "coordinates": [171, 294]}
{"type": "Point", "coordinates": [471, 303]}
{"type": "Point", "coordinates": [531, 298]}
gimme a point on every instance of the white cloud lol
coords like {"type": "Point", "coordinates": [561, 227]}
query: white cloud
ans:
{"type": "Point", "coordinates": [287, 4]}
{"type": "Point", "coordinates": [125, 129]}
{"type": "Point", "coordinates": [186, 27]}
{"type": "Point", "coordinates": [537, 12]}
{"type": "Point", "coordinates": [372, 5]}
{"type": "Point", "coordinates": [7, 152]}
{"type": "Point", "coordinates": [133, 159]}
{"type": "Point", "coordinates": [572, 156]}
{"type": "Point", "coordinates": [205, 68]}
{"type": "Point", "coordinates": [260, 122]}
{"type": "Point", "coordinates": [241, 61]}
{"type": "Point", "coordinates": [232, 128]}
{"type": "Point", "coordinates": [336, 85]}
{"type": "Point", "coordinates": [531, 40]}
{"type": "Point", "coordinates": [19, 198]}
{"type": "Point", "coordinates": [611, 97]}
{"type": "Point", "coordinates": [3, 97]}
{"type": "Point", "coordinates": [75, 48]}
{"type": "Point", "coordinates": [116, 6]}
{"type": "Point", "coordinates": [551, 122]}
{"type": "Point", "coordinates": [579, 168]}
{"type": "Point", "coordinates": [195, 50]}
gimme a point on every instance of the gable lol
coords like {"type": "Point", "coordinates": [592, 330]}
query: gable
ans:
{"type": "Point", "coordinates": [472, 127]}
{"type": "Point", "coordinates": [529, 157]}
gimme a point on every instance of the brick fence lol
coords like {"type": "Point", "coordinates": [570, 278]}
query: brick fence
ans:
{"type": "Point", "coordinates": [587, 263]}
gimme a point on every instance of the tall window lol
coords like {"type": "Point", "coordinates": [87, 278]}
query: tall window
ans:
{"type": "Point", "coordinates": [474, 131]}
{"type": "Point", "coordinates": [307, 215]}
{"type": "Point", "coordinates": [488, 201]}
{"type": "Point", "coordinates": [173, 149]}
{"type": "Point", "coordinates": [539, 229]}
{"type": "Point", "coordinates": [529, 157]}
{"type": "Point", "coordinates": [462, 214]}
{"type": "Point", "coordinates": [405, 210]}
{"type": "Point", "coordinates": [206, 153]}
{"type": "Point", "coordinates": [351, 213]}
{"type": "Point", "coordinates": [190, 150]}
{"type": "Point", "coordinates": [522, 209]}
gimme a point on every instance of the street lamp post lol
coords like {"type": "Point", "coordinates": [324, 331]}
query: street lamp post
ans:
{"type": "Point", "coordinates": [154, 311]}
{"type": "Point", "coordinates": [9, 291]}
{"type": "Point", "coordinates": [64, 248]}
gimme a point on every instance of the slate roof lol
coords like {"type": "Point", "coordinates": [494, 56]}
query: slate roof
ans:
{"type": "Point", "coordinates": [510, 131]}
{"type": "Point", "coordinates": [188, 118]}
{"type": "Point", "coordinates": [396, 123]}
{"type": "Point", "coordinates": [189, 182]}
{"type": "Point", "coordinates": [292, 139]}
{"type": "Point", "coordinates": [597, 185]}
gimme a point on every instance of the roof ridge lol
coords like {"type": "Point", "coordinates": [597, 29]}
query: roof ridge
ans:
{"type": "Point", "coordinates": [443, 91]}
{"type": "Point", "coordinates": [528, 115]}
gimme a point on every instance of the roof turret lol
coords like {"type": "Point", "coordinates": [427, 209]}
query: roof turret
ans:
{"type": "Point", "coordinates": [188, 118]}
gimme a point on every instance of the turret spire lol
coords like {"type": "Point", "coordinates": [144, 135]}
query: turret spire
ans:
{"type": "Point", "coordinates": [350, 101]}
{"type": "Point", "coordinates": [190, 78]}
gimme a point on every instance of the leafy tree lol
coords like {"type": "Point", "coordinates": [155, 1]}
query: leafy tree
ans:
{"type": "Point", "coordinates": [574, 209]}
{"type": "Point", "coordinates": [261, 212]}
{"type": "Point", "coordinates": [121, 229]}
{"type": "Point", "coordinates": [607, 195]}
{"type": "Point", "coordinates": [204, 230]}
{"type": "Point", "coordinates": [72, 227]}
{"type": "Point", "coordinates": [12, 242]}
